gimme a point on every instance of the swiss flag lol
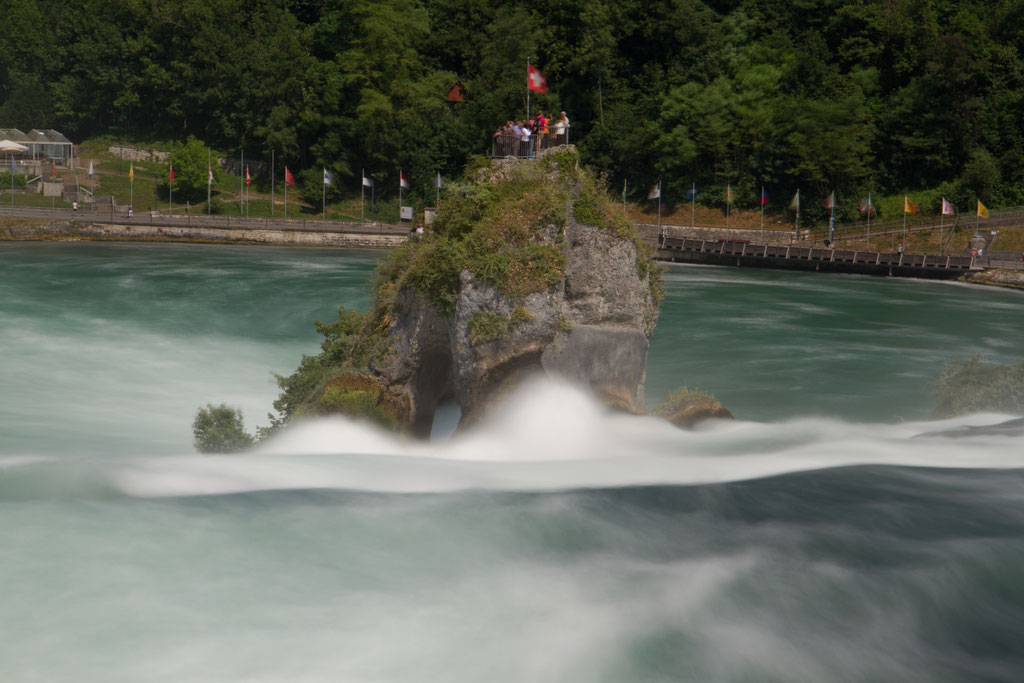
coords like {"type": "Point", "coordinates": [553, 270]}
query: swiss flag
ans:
{"type": "Point", "coordinates": [248, 179]}
{"type": "Point", "coordinates": [289, 179]}
{"type": "Point", "coordinates": [170, 174]}
{"type": "Point", "coordinates": [535, 80]}
{"type": "Point", "coordinates": [402, 180]}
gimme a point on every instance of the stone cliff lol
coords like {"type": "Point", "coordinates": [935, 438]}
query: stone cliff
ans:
{"type": "Point", "coordinates": [530, 268]}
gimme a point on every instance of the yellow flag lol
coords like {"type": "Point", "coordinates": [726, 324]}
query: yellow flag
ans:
{"type": "Point", "coordinates": [131, 171]}
{"type": "Point", "coordinates": [982, 211]}
{"type": "Point", "coordinates": [909, 206]}
{"type": "Point", "coordinates": [728, 193]}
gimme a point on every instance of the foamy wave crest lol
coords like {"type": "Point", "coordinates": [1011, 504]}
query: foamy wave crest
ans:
{"type": "Point", "coordinates": [548, 436]}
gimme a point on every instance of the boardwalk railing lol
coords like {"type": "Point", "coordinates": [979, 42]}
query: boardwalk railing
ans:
{"type": "Point", "coordinates": [671, 247]}
{"type": "Point", "coordinates": [120, 216]}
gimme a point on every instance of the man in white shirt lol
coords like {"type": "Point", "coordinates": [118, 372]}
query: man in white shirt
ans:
{"type": "Point", "coordinates": [527, 149]}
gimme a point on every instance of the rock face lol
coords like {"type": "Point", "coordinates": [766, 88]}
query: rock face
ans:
{"type": "Point", "coordinates": [996, 277]}
{"type": "Point", "coordinates": [685, 408]}
{"type": "Point", "coordinates": [591, 328]}
{"type": "Point", "coordinates": [688, 416]}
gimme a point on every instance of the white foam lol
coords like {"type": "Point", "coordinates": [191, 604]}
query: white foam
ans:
{"type": "Point", "coordinates": [552, 436]}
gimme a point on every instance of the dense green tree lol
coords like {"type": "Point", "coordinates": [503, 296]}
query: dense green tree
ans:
{"type": "Point", "coordinates": [846, 94]}
{"type": "Point", "coordinates": [191, 169]}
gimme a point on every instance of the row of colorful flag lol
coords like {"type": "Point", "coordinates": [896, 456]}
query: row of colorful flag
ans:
{"type": "Point", "coordinates": [289, 177]}
{"type": "Point", "coordinates": [865, 206]}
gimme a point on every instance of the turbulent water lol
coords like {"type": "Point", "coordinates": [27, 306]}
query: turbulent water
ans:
{"type": "Point", "coordinates": [814, 539]}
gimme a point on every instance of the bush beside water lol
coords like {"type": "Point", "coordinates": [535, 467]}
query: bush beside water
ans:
{"type": "Point", "coordinates": [219, 429]}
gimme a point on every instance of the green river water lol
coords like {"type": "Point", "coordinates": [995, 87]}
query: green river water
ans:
{"type": "Point", "coordinates": [813, 539]}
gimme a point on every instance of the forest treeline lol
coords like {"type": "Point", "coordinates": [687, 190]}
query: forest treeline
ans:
{"type": "Point", "coordinates": [853, 95]}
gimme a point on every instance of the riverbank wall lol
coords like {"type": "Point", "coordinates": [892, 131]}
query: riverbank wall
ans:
{"type": "Point", "coordinates": [67, 230]}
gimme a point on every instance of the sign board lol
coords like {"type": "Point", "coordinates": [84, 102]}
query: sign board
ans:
{"type": "Point", "coordinates": [428, 216]}
{"type": "Point", "coordinates": [406, 213]}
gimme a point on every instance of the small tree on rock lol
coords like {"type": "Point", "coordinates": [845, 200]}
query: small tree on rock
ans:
{"type": "Point", "coordinates": [219, 429]}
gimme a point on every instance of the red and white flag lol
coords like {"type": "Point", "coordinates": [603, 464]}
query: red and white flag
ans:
{"type": "Point", "coordinates": [248, 179]}
{"type": "Point", "coordinates": [289, 179]}
{"type": "Point", "coordinates": [866, 206]}
{"type": "Point", "coordinates": [170, 174]}
{"type": "Point", "coordinates": [209, 178]}
{"type": "Point", "coordinates": [402, 180]}
{"type": "Point", "coordinates": [535, 80]}
{"type": "Point", "coordinates": [947, 208]}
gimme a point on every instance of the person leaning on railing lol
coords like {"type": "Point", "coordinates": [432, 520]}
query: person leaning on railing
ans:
{"type": "Point", "coordinates": [540, 123]}
{"type": "Point", "coordinates": [560, 128]}
{"type": "Point", "coordinates": [525, 135]}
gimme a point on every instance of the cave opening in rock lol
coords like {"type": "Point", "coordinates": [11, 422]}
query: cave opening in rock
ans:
{"type": "Point", "coordinates": [433, 387]}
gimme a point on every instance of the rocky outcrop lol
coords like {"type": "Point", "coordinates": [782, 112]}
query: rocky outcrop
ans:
{"type": "Point", "coordinates": [591, 329]}
{"type": "Point", "coordinates": [997, 278]}
{"type": "Point", "coordinates": [584, 314]}
{"type": "Point", "coordinates": [690, 415]}
{"type": "Point", "coordinates": [686, 408]}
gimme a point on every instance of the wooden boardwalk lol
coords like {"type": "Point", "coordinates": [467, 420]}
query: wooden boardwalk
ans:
{"type": "Point", "coordinates": [742, 253]}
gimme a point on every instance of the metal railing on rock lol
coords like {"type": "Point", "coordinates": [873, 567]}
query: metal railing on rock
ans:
{"type": "Point", "coordinates": [513, 146]}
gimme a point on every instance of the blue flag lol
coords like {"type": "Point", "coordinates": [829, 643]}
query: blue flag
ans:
{"type": "Point", "coordinates": [328, 179]}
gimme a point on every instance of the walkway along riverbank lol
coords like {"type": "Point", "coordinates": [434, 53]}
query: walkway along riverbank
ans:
{"type": "Point", "coordinates": [202, 229]}
{"type": "Point", "coordinates": [717, 249]}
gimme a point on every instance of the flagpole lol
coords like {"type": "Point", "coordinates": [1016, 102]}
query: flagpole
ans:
{"type": "Point", "coordinates": [762, 207]}
{"type": "Point", "coordinates": [527, 88]}
{"type": "Point", "coordinates": [624, 182]}
{"type": "Point", "coordinates": [92, 181]}
{"type": "Point", "coordinates": [271, 182]}
{"type": "Point", "coordinates": [170, 184]}
{"type": "Point", "coordinates": [693, 204]}
{"type": "Point", "coordinates": [904, 218]}
{"type": "Point", "coordinates": [798, 213]}
{"type": "Point", "coordinates": [942, 222]}
{"type": "Point", "coordinates": [832, 222]}
{"type": "Point", "coordinates": [131, 190]}
{"type": "Point", "coordinates": [209, 178]}
{"type": "Point", "coordinates": [323, 218]}
{"type": "Point", "coordinates": [362, 193]}
{"type": "Point", "coordinates": [241, 192]}
{"type": "Point", "coordinates": [728, 203]}
{"type": "Point", "coordinates": [437, 198]}
{"type": "Point", "coordinates": [286, 193]}
{"type": "Point", "coordinates": [659, 207]}
{"type": "Point", "coordinates": [869, 222]}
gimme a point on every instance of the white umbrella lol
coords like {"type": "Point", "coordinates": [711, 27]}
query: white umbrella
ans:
{"type": "Point", "coordinates": [11, 146]}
